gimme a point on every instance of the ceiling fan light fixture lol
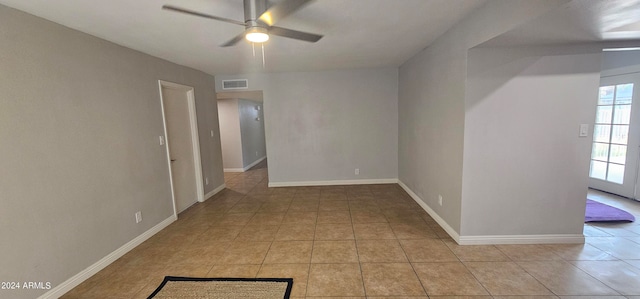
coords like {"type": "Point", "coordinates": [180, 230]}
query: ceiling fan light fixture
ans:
{"type": "Point", "coordinates": [259, 18]}
{"type": "Point", "coordinates": [257, 35]}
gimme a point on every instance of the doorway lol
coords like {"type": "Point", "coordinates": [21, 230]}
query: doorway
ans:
{"type": "Point", "coordinates": [615, 153]}
{"type": "Point", "coordinates": [242, 131]}
{"type": "Point", "coordinates": [183, 146]}
{"type": "Point", "coordinates": [613, 172]}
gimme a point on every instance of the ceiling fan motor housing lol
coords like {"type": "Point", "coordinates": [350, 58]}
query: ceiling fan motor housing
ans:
{"type": "Point", "coordinates": [256, 30]}
{"type": "Point", "coordinates": [253, 9]}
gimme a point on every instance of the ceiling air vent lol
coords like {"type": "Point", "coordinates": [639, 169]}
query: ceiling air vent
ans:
{"type": "Point", "coordinates": [235, 84]}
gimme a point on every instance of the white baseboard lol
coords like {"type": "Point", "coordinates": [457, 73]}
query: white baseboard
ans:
{"type": "Point", "coordinates": [330, 183]}
{"type": "Point", "coordinates": [246, 167]}
{"type": "Point", "coordinates": [77, 279]}
{"type": "Point", "coordinates": [214, 191]}
{"type": "Point", "coordinates": [254, 163]}
{"type": "Point", "coordinates": [452, 232]}
{"type": "Point", "coordinates": [496, 239]}
{"type": "Point", "coordinates": [522, 239]}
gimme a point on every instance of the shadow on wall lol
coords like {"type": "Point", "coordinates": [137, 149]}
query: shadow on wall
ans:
{"type": "Point", "coordinates": [491, 68]}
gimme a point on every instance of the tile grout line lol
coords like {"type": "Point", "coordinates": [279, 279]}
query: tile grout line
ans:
{"type": "Point", "coordinates": [267, 252]}
{"type": "Point", "coordinates": [355, 241]}
{"type": "Point", "coordinates": [424, 289]}
{"type": "Point", "coordinates": [525, 270]}
{"type": "Point", "coordinates": [471, 272]}
{"type": "Point", "coordinates": [313, 242]}
{"type": "Point", "coordinates": [589, 274]}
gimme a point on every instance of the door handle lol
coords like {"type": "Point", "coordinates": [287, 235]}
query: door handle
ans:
{"type": "Point", "coordinates": [173, 160]}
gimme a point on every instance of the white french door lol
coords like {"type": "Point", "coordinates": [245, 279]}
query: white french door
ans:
{"type": "Point", "coordinates": [616, 136]}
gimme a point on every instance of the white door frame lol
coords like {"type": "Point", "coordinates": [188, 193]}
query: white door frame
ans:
{"type": "Point", "coordinates": [193, 121]}
{"type": "Point", "coordinates": [631, 179]}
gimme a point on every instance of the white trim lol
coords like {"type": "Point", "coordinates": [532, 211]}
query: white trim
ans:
{"type": "Point", "coordinates": [496, 239]}
{"type": "Point", "coordinates": [195, 139]}
{"type": "Point", "coordinates": [254, 163]}
{"type": "Point", "coordinates": [166, 147]}
{"type": "Point", "coordinates": [246, 167]}
{"type": "Point", "coordinates": [336, 182]}
{"type": "Point", "coordinates": [77, 279]}
{"type": "Point", "coordinates": [452, 232]}
{"type": "Point", "coordinates": [215, 191]}
{"type": "Point", "coordinates": [522, 239]}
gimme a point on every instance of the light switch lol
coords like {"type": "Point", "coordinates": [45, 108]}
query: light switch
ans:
{"type": "Point", "coordinates": [211, 133]}
{"type": "Point", "coordinates": [584, 130]}
{"type": "Point", "coordinates": [161, 140]}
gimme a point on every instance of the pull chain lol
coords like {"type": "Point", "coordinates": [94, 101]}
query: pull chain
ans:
{"type": "Point", "coordinates": [253, 49]}
{"type": "Point", "coordinates": [263, 56]}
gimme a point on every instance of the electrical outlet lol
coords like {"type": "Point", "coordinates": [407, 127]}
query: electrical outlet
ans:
{"type": "Point", "coordinates": [357, 171]}
{"type": "Point", "coordinates": [206, 181]}
{"type": "Point", "coordinates": [256, 153]}
{"type": "Point", "coordinates": [440, 199]}
{"type": "Point", "coordinates": [138, 217]}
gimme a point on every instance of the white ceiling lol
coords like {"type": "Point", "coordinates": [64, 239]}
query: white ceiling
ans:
{"type": "Point", "coordinates": [357, 33]}
{"type": "Point", "coordinates": [579, 21]}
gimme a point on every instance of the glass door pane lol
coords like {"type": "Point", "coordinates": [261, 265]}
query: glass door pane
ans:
{"type": "Point", "coordinates": [611, 133]}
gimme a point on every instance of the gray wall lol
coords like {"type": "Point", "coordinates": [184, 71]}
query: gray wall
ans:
{"type": "Point", "coordinates": [525, 168]}
{"type": "Point", "coordinates": [431, 104]}
{"type": "Point", "coordinates": [253, 142]}
{"type": "Point", "coordinates": [79, 123]}
{"type": "Point", "coordinates": [431, 119]}
{"type": "Point", "coordinates": [230, 133]}
{"type": "Point", "coordinates": [320, 126]}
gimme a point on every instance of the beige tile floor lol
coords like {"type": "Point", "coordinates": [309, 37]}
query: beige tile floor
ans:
{"type": "Point", "coordinates": [365, 242]}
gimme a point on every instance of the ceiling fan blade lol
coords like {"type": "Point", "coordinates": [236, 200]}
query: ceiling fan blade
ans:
{"type": "Point", "coordinates": [199, 14]}
{"type": "Point", "coordinates": [281, 10]}
{"type": "Point", "coordinates": [234, 40]}
{"type": "Point", "coordinates": [299, 35]}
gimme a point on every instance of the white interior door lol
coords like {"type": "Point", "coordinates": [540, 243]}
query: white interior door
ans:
{"type": "Point", "coordinates": [182, 142]}
{"type": "Point", "coordinates": [616, 136]}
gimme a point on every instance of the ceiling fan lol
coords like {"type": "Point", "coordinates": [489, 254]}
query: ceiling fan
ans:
{"type": "Point", "coordinates": [259, 20]}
